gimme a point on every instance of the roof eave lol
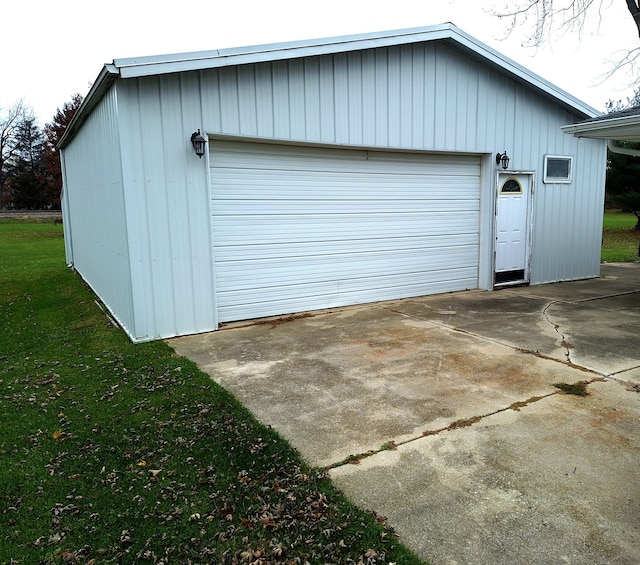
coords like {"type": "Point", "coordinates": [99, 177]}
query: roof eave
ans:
{"type": "Point", "coordinates": [104, 81]}
{"type": "Point", "coordinates": [163, 64]}
{"type": "Point", "coordinates": [617, 128]}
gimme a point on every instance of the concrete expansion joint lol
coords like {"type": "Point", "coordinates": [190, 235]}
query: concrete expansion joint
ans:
{"type": "Point", "coordinates": [578, 389]}
{"type": "Point", "coordinates": [619, 376]}
{"type": "Point", "coordinates": [392, 445]}
{"type": "Point", "coordinates": [405, 314]}
{"type": "Point", "coordinates": [594, 298]}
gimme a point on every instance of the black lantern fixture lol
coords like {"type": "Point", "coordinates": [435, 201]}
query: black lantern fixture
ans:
{"type": "Point", "coordinates": [198, 143]}
{"type": "Point", "coordinates": [502, 159]}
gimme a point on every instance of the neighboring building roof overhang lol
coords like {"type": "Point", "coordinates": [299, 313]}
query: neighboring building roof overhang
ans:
{"type": "Point", "coordinates": [164, 64]}
{"type": "Point", "coordinates": [618, 126]}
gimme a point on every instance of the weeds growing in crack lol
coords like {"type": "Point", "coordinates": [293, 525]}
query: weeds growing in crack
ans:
{"type": "Point", "coordinates": [521, 404]}
{"type": "Point", "coordinates": [577, 389]}
{"type": "Point", "coordinates": [465, 422]}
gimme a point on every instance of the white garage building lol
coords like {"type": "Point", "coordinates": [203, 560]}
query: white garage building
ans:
{"type": "Point", "coordinates": [336, 171]}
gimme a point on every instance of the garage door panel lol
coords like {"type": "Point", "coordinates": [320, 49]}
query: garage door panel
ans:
{"type": "Point", "coordinates": [339, 187]}
{"type": "Point", "coordinates": [351, 207]}
{"type": "Point", "coordinates": [311, 228]}
{"type": "Point", "coordinates": [369, 284]}
{"type": "Point", "coordinates": [301, 228]}
{"type": "Point", "coordinates": [300, 298]}
{"type": "Point", "coordinates": [336, 187]}
{"type": "Point", "coordinates": [243, 156]}
{"type": "Point", "coordinates": [278, 271]}
{"type": "Point", "coordinates": [231, 253]}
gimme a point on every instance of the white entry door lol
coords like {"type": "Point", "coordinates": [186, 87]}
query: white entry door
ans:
{"type": "Point", "coordinates": [512, 229]}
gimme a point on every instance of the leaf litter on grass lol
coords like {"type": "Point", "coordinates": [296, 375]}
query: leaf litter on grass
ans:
{"type": "Point", "coordinates": [118, 453]}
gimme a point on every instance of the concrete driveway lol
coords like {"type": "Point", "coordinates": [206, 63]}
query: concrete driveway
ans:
{"type": "Point", "coordinates": [448, 404]}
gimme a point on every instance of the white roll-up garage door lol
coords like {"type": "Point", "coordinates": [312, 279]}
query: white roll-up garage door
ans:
{"type": "Point", "coordinates": [303, 228]}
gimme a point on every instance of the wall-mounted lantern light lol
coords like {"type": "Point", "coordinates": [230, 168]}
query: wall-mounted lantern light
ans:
{"type": "Point", "coordinates": [198, 143]}
{"type": "Point", "coordinates": [502, 159]}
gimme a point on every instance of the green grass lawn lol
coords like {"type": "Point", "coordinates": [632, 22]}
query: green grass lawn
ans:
{"type": "Point", "coordinates": [120, 453]}
{"type": "Point", "coordinates": [619, 240]}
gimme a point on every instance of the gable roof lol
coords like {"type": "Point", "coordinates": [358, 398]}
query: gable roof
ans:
{"type": "Point", "coordinates": [618, 126]}
{"type": "Point", "coordinates": [199, 60]}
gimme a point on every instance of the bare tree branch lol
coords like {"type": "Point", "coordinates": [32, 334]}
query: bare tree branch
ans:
{"type": "Point", "coordinates": [629, 60]}
{"type": "Point", "coordinates": [10, 120]}
{"type": "Point", "coordinates": [552, 16]}
{"type": "Point", "coordinates": [549, 18]}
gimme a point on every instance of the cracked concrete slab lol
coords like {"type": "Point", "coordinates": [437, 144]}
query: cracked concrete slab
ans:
{"type": "Point", "coordinates": [504, 317]}
{"type": "Point", "coordinates": [348, 382]}
{"type": "Point", "coordinates": [611, 352]}
{"type": "Point", "coordinates": [414, 373]}
{"type": "Point", "coordinates": [555, 482]}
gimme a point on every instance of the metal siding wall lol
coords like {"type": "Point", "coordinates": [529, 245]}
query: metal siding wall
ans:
{"type": "Point", "coordinates": [95, 211]}
{"type": "Point", "coordinates": [280, 100]}
{"type": "Point", "coordinates": [567, 226]}
{"type": "Point", "coordinates": [425, 97]}
{"type": "Point", "coordinates": [138, 198]}
{"type": "Point", "coordinates": [167, 203]}
{"type": "Point", "coordinates": [568, 218]}
{"type": "Point", "coordinates": [420, 97]}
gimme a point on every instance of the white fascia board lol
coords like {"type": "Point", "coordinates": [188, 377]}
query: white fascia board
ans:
{"type": "Point", "coordinates": [165, 64]}
{"type": "Point", "coordinates": [625, 128]}
{"type": "Point", "coordinates": [162, 64]}
{"type": "Point", "coordinates": [104, 81]}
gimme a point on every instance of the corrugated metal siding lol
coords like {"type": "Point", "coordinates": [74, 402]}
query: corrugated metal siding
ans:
{"type": "Point", "coordinates": [167, 206]}
{"type": "Point", "coordinates": [95, 212]}
{"type": "Point", "coordinates": [413, 96]}
{"type": "Point", "coordinates": [302, 228]}
{"type": "Point", "coordinates": [567, 229]}
{"type": "Point", "coordinates": [139, 208]}
{"type": "Point", "coordinates": [425, 97]}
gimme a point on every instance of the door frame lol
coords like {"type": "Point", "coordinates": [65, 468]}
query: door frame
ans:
{"type": "Point", "coordinates": [529, 225]}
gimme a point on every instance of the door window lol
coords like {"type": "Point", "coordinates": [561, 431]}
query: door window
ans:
{"type": "Point", "coordinates": [511, 186]}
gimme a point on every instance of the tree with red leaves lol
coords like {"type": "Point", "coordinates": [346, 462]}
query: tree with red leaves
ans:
{"type": "Point", "coordinates": [51, 157]}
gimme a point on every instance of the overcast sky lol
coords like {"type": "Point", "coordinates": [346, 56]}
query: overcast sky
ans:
{"type": "Point", "coordinates": [54, 48]}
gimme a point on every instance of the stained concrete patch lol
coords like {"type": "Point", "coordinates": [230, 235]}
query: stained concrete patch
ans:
{"type": "Point", "coordinates": [504, 317]}
{"type": "Point", "coordinates": [336, 386]}
{"type": "Point", "coordinates": [341, 385]}
{"type": "Point", "coordinates": [555, 482]}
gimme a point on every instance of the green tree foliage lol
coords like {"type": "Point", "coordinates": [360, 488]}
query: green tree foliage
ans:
{"type": "Point", "coordinates": [27, 180]}
{"type": "Point", "coordinates": [629, 201]}
{"type": "Point", "coordinates": [623, 180]}
{"type": "Point", "coordinates": [623, 171]}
